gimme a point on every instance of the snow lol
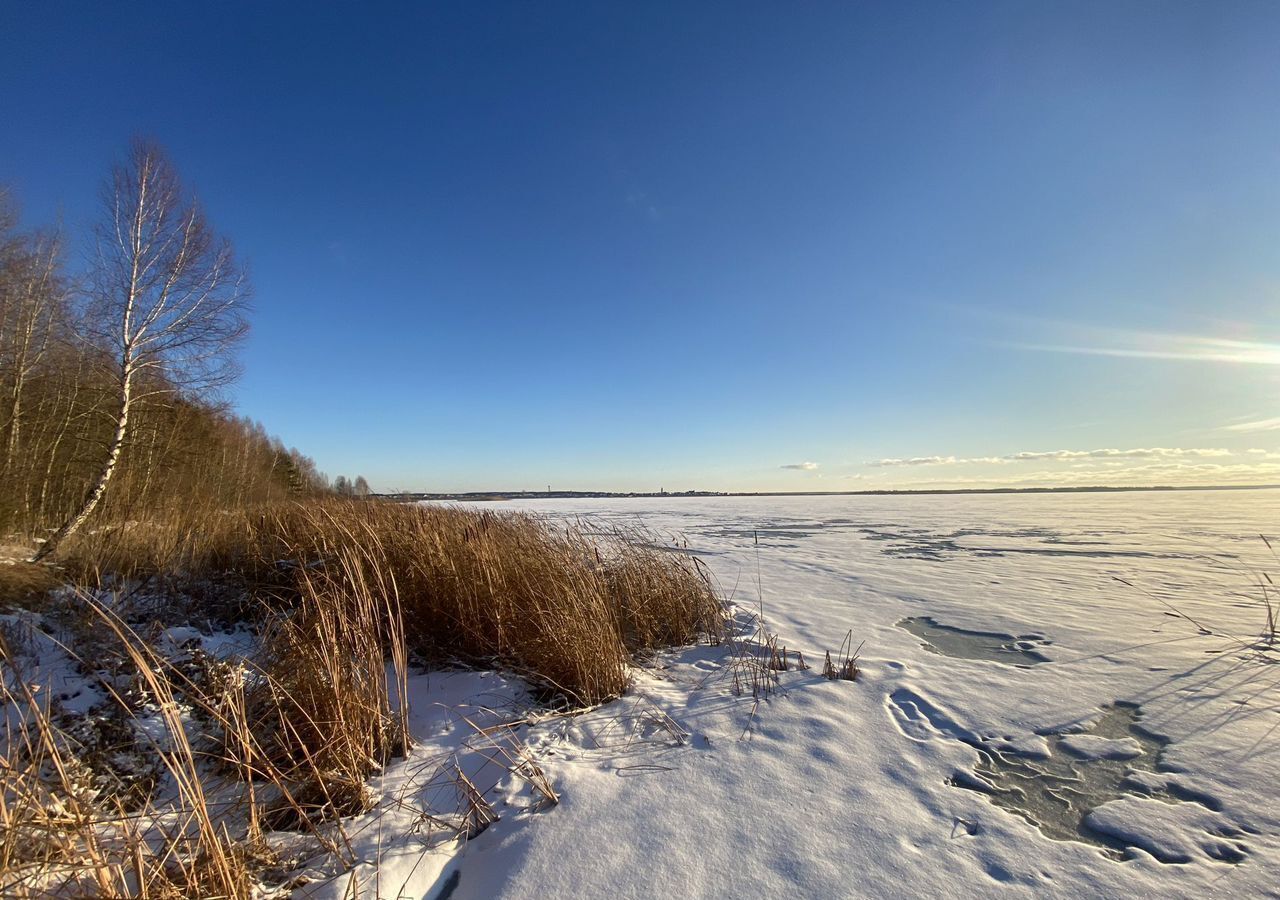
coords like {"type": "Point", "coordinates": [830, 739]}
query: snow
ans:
{"type": "Point", "coordinates": [177, 642]}
{"type": "Point", "coordinates": [1091, 746]}
{"type": "Point", "coordinates": [1171, 834]}
{"type": "Point", "coordinates": [837, 789]}
{"type": "Point", "coordinates": [1028, 660]}
{"type": "Point", "coordinates": [51, 670]}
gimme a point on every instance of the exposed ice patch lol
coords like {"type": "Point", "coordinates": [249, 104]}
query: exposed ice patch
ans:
{"type": "Point", "coordinates": [989, 646]}
{"type": "Point", "coordinates": [1087, 787]}
{"type": "Point", "coordinates": [1097, 786]}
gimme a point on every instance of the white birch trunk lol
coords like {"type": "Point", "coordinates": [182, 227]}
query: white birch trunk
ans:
{"type": "Point", "coordinates": [104, 476]}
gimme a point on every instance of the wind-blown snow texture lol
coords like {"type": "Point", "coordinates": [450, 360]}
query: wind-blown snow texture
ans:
{"type": "Point", "coordinates": [875, 788]}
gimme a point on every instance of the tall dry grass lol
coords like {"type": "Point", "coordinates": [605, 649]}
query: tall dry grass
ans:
{"type": "Point", "coordinates": [342, 593]}
{"type": "Point", "coordinates": [239, 757]}
{"type": "Point", "coordinates": [566, 610]}
{"type": "Point", "coordinates": [60, 835]}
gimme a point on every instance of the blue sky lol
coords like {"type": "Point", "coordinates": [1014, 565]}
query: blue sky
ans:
{"type": "Point", "coordinates": [724, 246]}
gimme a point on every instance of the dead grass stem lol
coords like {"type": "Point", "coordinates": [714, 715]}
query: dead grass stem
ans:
{"type": "Point", "coordinates": [343, 594]}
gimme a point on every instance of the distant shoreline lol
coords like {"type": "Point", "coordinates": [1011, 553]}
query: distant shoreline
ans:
{"type": "Point", "coordinates": [480, 496]}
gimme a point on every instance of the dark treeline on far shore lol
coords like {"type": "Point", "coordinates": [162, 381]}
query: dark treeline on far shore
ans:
{"type": "Point", "coordinates": [571, 495]}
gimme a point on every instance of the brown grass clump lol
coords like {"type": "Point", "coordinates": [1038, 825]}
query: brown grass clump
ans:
{"type": "Point", "coordinates": [59, 837]}
{"type": "Point", "coordinates": [566, 611]}
{"type": "Point", "coordinates": [342, 593]}
{"type": "Point", "coordinates": [291, 751]}
{"type": "Point", "coordinates": [662, 600]}
{"type": "Point", "coordinates": [329, 711]}
{"type": "Point", "coordinates": [473, 585]}
{"type": "Point", "coordinates": [24, 584]}
{"type": "Point", "coordinates": [844, 667]}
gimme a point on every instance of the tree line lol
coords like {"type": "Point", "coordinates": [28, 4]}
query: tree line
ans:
{"type": "Point", "coordinates": [111, 373]}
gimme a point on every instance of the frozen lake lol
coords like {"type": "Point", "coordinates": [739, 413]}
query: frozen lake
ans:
{"type": "Point", "coordinates": [1025, 718]}
{"type": "Point", "coordinates": [1013, 564]}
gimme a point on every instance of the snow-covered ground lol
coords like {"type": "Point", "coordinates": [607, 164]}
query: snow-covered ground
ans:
{"type": "Point", "coordinates": [1108, 708]}
{"type": "Point", "coordinates": [1060, 695]}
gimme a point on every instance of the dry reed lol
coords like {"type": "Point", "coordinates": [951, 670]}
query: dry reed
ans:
{"type": "Point", "coordinates": [342, 594]}
{"type": "Point", "coordinates": [566, 611]}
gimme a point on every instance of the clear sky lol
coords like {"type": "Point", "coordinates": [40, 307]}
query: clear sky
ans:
{"type": "Point", "coordinates": [710, 245]}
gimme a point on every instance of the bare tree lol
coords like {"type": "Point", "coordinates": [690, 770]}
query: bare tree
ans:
{"type": "Point", "coordinates": [167, 300]}
{"type": "Point", "coordinates": [32, 300]}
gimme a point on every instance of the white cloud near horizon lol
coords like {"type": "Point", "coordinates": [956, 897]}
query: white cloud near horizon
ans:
{"type": "Point", "coordinates": [916, 461]}
{"type": "Point", "coordinates": [1111, 453]}
{"type": "Point", "coordinates": [1148, 473]}
{"type": "Point", "coordinates": [1135, 344]}
{"type": "Point", "coordinates": [1106, 453]}
{"type": "Point", "coordinates": [802, 467]}
{"type": "Point", "coordinates": [1251, 427]}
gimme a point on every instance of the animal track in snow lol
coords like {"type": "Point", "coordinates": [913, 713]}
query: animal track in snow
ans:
{"type": "Point", "coordinates": [922, 720]}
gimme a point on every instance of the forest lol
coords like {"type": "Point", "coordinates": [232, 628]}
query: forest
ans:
{"type": "Point", "coordinates": [116, 349]}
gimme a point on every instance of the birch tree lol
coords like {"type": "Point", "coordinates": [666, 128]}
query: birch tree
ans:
{"type": "Point", "coordinates": [166, 302]}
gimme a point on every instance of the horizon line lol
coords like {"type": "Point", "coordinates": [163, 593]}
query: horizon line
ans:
{"type": "Point", "coordinates": [1084, 489]}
